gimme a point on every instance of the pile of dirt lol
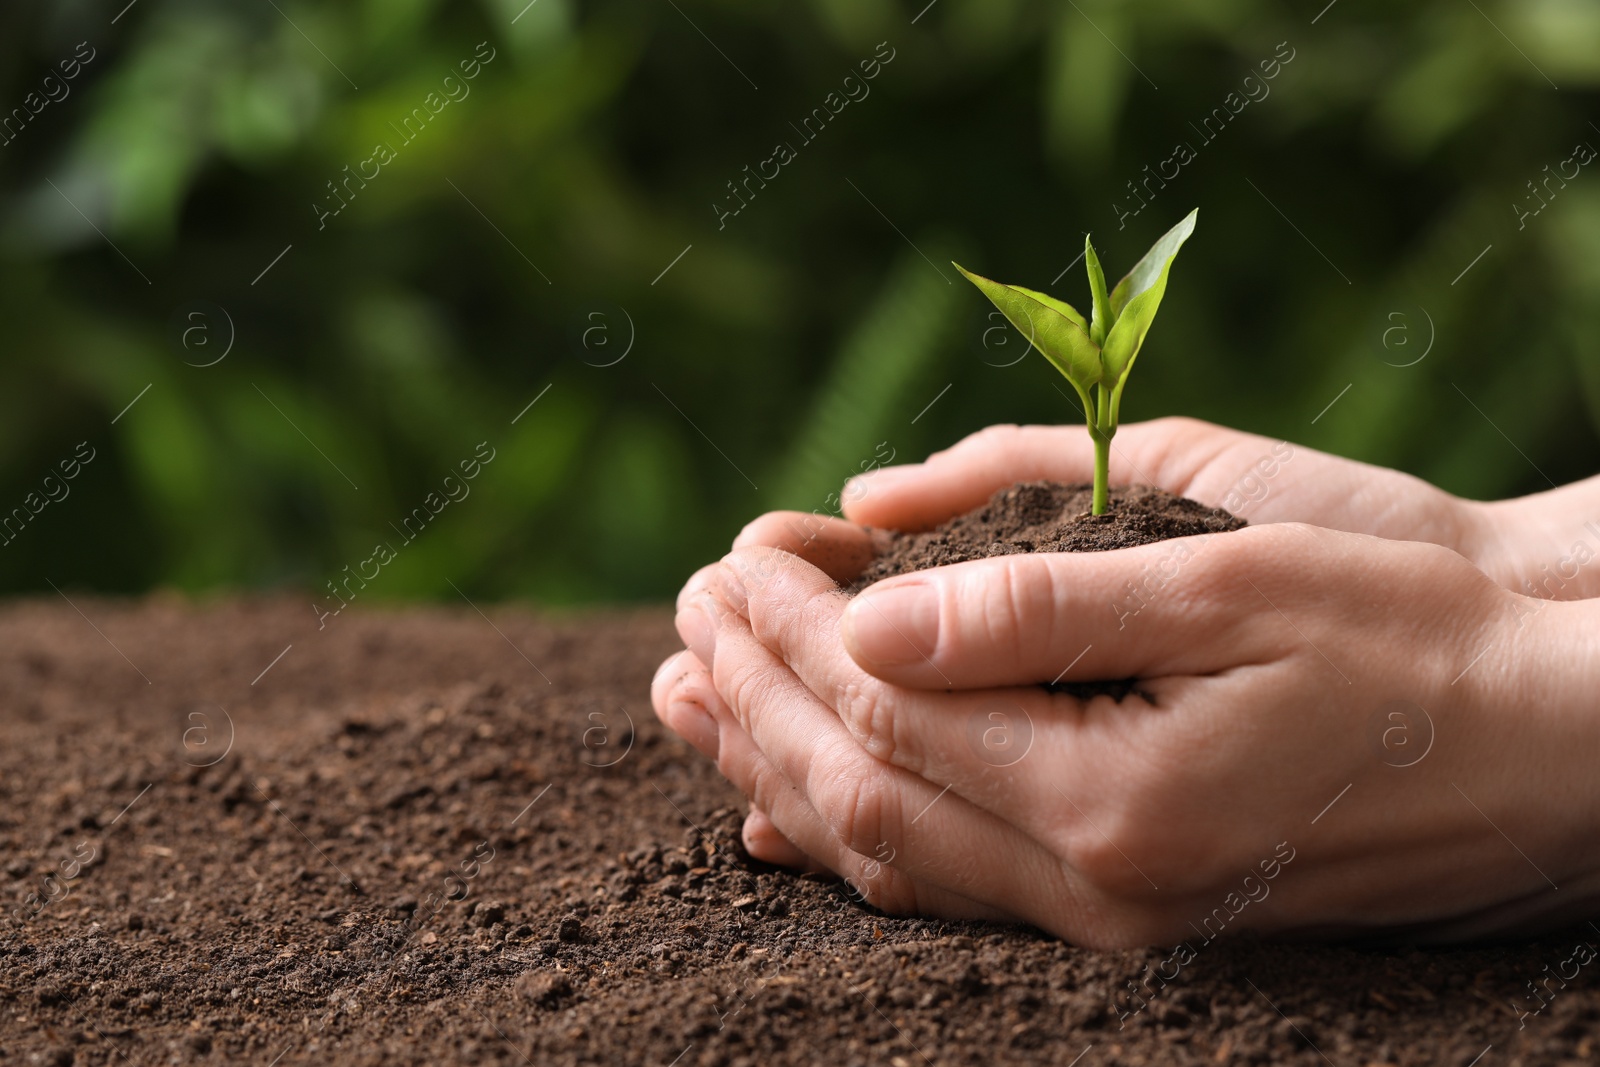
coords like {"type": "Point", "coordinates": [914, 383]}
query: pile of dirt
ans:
{"type": "Point", "coordinates": [1046, 517]}
{"type": "Point", "coordinates": [1050, 517]}
{"type": "Point", "coordinates": [419, 837]}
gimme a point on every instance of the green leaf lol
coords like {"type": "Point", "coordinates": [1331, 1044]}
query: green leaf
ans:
{"type": "Point", "coordinates": [1060, 306]}
{"type": "Point", "coordinates": [1103, 317]}
{"type": "Point", "coordinates": [1153, 266]}
{"type": "Point", "coordinates": [1052, 326]}
{"type": "Point", "coordinates": [1136, 300]}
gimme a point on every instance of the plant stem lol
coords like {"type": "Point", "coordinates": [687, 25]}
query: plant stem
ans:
{"type": "Point", "coordinates": [1101, 427]}
{"type": "Point", "coordinates": [1102, 470]}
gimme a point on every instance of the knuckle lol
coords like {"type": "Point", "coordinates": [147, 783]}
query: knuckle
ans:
{"type": "Point", "coordinates": [788, 603]}
{"type": "Point", "coordinates": [1002, 437]}
{"type": "Point", "coordinates": [1249, 574]}
{"type": "Point", "coordinates": [757, 569]}
{"type": "Point", "coordinates": [1237, 568]}
{"type": "Point", "coordinates": [1016, 604]}
{"type": "Point", "coordinates": [780, 530]}
{"type": "Point", "coordinates": [818, 622]}
{"type": "Point", "coordinates": [1208, 593]}
{"type": "Point", "coordinates": [1230, 554]}
{"type": "Point", "coordinates": [853, 796]}
{"type": "Point", "coordinates": [866, 710]}
{"type": "Point", "coordinates": [1127, 847]}
{"type": "Point", "coordinates": [1000, 433]}
{"type": "Point", "coordinates": [1104, 857]}
{"type": "Point", "coordinates": [758, 531]}
{"type": "Point", "coordinates": [741, 682]}
{"type": "Point", "coordinates": [695, 586]}
{"type": "Point", "coordinates": [1185, 425]}
{"type": "Point", "coordinates": [757, 779]}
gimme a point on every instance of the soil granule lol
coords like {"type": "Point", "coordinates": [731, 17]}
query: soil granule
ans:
{"type": "Point", "coordinates": [1046, 517]}
{"type": "Point", "coordinates": [416, 837]}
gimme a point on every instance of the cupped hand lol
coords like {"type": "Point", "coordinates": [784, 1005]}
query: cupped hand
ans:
{"type": "Point", "coordinates": [1257, 478]}
{"type": "Point", "coordinates": [1331, 732]}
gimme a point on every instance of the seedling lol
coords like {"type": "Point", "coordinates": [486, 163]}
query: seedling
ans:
{"type": "Point", "coordinates": [1094, 355]}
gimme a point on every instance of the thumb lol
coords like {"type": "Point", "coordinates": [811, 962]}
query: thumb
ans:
{"type": "Point", "coordinates": [1160, 609]}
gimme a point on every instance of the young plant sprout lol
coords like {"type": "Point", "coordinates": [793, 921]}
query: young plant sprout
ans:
{"type": "Point", "coordinates": [1094, 355]}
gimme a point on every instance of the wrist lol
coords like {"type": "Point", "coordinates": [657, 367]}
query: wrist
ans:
{"type": "Point", "coordinates": [1566, 637]}
{"type": "Point", "coordinates": [1539, 546]}
{"type": "Point", "coordinates": [1540, 717]}
{"type": "Point", "coordinates": [1508, 777]}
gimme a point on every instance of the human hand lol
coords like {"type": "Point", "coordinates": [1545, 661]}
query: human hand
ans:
{"type": "Point", "coordinates": [1261, 786]}
{"type": "Point", "coordinates": [1259, 479]}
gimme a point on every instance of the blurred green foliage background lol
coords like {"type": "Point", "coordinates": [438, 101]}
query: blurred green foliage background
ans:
{"type": "Point", "coordinates": [786, 343]}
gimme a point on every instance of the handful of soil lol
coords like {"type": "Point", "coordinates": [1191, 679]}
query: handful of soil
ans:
{"type": "Point", "coordinates": [1049, 517]}
{"type": "Point", "coordinates": [1046, 517]}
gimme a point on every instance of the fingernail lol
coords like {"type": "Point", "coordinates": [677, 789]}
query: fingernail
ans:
{"type": "Point", "coordinates": [896, 626]}
{"type": "Point", "coordinates": [695, 725]}
{"type": "Point", "coordinates": [761, 838]}
{"type": "Point", "coordinates": [698, 630]}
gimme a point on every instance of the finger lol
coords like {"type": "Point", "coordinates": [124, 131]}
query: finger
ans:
{"type": "Point", "coordinates": [1165, 452]}
{"type": "Point", "coordinates": [838, 548]}
{"type": "Point", "coordinates": [918, 496]}
{"type": "Point", "coordinates": [698, 582]}
{"type": "Point", "coordinates": [685, 701]}
{"type": "Point", "coordinates": [1052, 767]}
{"type": "Point", "coordinates": [973, 741]}
{"type": "Point", "coordinates": [679, 694]}
{"type": "Point", "coordinates": [672, 668]}
{"type": "Point", "coordinates": [683, 695]}
{"type": "Point", "coordinates": [666, 677]}
{"type": "Point", "coordinates": [764, 841]}
{"type": "Point", "coordinates": [867, 878]}
{"type": "Point", "coordinates": [874, 808]}
{"type": "Point", "coordinates": [700, 605]}
{"type": "Point", "coordinates": [1178, 607]}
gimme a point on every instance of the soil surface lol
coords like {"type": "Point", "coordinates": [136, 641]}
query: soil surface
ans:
{"type": "Point", "coordinates": [434, 837]}
{"type": "Point", "coordinates": [1047, 517]}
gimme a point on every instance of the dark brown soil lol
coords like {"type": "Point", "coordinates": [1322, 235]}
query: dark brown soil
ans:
{"type": "Point", "coordinates": [1050, 517]}
{"type": "Point", "coordinates": [414, 851]}
{"type": "Point", "coordinates": [1047, 517]}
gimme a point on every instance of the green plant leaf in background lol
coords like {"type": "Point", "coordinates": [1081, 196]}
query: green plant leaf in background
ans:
{"type": "Point", "coordinates": [200, 135]}
{"type": "Point", "coordinates": [878, 364]}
